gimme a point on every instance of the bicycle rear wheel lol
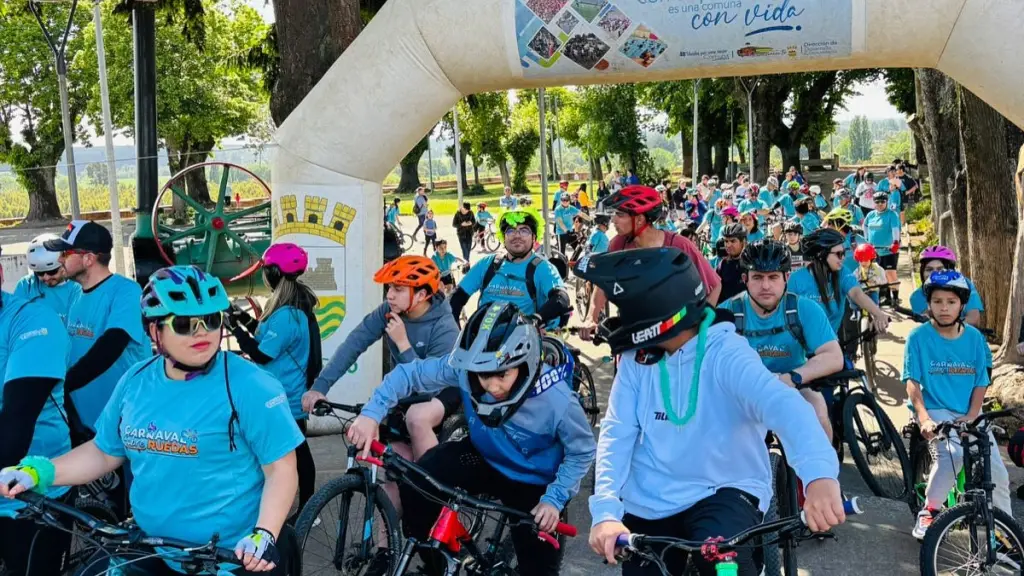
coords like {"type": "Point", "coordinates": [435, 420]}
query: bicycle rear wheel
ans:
{"type": "Point", "coordinates": [921, 465]}
{"type": "Point", "coordinates": [957, 543]}
{"type": "Point", "coordinates": [332, 523]}
{"type": "Point", "coordinates": [868, 348]}
{"type": "Point", "coordinates": [877, 448]}
{"type": "Point", "coordinates": [405, 242]}
{"type": "Point", "coordinates": [582, 297]}
{"type": "Point", "coordinates": [583, 385]}
{"type": "Point", "coordinates": [780, 560]}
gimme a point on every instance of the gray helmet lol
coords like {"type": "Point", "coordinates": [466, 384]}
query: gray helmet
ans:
{"type": "Point", "coordinates": [497, 337]}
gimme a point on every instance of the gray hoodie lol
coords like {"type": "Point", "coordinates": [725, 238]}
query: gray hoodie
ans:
{"type": "Point", "coordinates": [431, 335]}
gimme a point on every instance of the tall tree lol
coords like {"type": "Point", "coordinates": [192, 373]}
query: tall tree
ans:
{"type": "Point", "coordinates": [484, 122]}
{"type": "Point", "coordinates": [31, 130]}
{"type": "Point", "coordinates": [860, 139]}
{"type": "Point", "coordinates": [1015, 309]}
{"type": "Point", "coordinates": [991, 203]}
{"type": "Point", "coordinates": [202, 97]}
{"type": "Point", "coordinates": [939, 128]}
{"type": "Point", "coordinates": [409, 166]}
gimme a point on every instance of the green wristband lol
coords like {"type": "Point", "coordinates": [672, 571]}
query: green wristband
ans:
{"type": "Point", "coordinates": [42, 471]}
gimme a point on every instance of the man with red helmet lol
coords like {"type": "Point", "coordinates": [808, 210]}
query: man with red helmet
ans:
{"type": "Point", "coordinates": [637, 208]}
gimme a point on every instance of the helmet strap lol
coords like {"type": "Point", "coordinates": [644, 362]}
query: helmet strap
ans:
{"type": "Point", "coordinates": [191, 372]}
{"type": "Point", "coordinates": [767, 310]}
{"type": "Point", "coordinates": [638, 231]}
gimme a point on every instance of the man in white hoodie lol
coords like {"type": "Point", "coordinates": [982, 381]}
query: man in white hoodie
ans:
{"type": "Point", "coordinates": [682, 451]}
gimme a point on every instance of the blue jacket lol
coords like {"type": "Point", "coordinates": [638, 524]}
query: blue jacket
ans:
{"type": "Point", "coordinates": [547, 441]}
{"type": "Point", "coordinates": [651, 468]}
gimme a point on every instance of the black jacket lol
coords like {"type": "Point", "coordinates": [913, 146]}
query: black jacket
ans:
{"type": "Point", "coordinates": [463, 231]}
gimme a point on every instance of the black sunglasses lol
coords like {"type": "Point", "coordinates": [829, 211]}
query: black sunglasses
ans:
{"type": "Point", "coordinates": [840, 253]}
{"type": "Point", "coordinates": [189, 325]}
{"type": "Point", "coordinates": [46, 273]}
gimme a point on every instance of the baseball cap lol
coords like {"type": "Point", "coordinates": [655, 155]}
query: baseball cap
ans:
{"type": "Point", "coordinates": [83, 235]}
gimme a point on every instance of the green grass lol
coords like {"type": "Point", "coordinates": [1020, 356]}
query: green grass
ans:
{"type": "Point", "coordinates": [446, 202]}
{"type": "Point", "coordinates": [920, 211]}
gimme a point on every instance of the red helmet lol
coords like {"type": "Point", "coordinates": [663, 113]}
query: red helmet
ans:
{"type": "Point", "coordinates": [637, 200]}
{"type": "Point", "coordinates": [865, 253]}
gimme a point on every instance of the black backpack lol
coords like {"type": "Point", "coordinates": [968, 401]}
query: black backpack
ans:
{"type": "Point", "coordinates": [531, 285]}
{"type": "Point", "coordinates": [792, 325]}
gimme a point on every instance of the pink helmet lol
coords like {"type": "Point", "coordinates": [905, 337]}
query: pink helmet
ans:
{"type": "Point", "coordinates": [731, 211]}
{"type": "Point", "coordinates": [938, 253]}
{"type": "Point", "coordinates": [290, 259]}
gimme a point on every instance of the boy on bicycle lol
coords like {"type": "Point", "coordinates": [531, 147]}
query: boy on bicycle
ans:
{"type": "Point", "coordinates": [682, 446]}
{"type": "Point", "coordinates": [945, 372]}
{"type": "Point", "coordinates": [415, 322]}
{"type": "Point", "coordinates": [444, 260]}
{"type": "Point", "coordinates": [529, 440]}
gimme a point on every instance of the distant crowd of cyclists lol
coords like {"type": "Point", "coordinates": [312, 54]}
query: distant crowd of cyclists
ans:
{"type": "Point", "coordinates": [713, 345]}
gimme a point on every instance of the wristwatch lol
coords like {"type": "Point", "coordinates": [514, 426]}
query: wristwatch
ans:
{"type": "Point", "coordinates": [796, 377]}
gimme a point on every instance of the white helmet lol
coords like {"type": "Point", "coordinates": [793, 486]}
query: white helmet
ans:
{"type": "Point", "coordinates": [39, 258]}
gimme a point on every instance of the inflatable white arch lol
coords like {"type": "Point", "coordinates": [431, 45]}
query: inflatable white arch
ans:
{"type": "Point", "coordinates": [417, 58]}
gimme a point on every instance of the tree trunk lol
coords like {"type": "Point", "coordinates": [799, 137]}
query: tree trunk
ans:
{"type": "Point", "coordinates": [762, 136]}
{"type": "Point", "coordinates": [311, 35]}
{"type": "Point", "coordinates": [991, 203]}
{"type": "Point", "coordinates": [1011, 326]}
{"type": "Point", "coordinates": [552, 165]}
{"type": "Point", "coordinates": [814, 153]}
{"type": "Point", "coordinates": [409, 179]}
{"type": "Point", "coordinates": [721, 158]}
{"type": "Point", "coordinates": [596, 173]}
{"type": "Point", "coordinates": [476, 173]}
{"type": "Point", "coordinates": [958, 208]}
{"type": "Point", "coordinates": [936, 100]}
{"type": "Point", "coordinates": [42, 194]}
{"type": "Point", "coordinates": [704, 157]}
{"type": "Point", "coordinates": [687, 156]}
{"type": "Point", "coordinates": [503, 170]}
{"type": "Point", "coordinates": [791, 157]}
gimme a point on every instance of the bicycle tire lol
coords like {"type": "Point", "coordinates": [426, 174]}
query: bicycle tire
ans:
{"type": "Point", "coordinates": [582, 297]}
{"type": "Point", "coordinates": [781, 560]}
{"type": "Point", "coordinates": [960, 513]}
{"type": "Point", "coordinates": [406, 242]}
{"type": "Point", "coordinates": [583, 385]}
{"type": "Point", "coordinates": [453, 429]}
{"type": "Point", "coordinates": [347, 485]}
{"type": "Point", "coordinates": [868, 348]}
{"type": "Point", "coordinates": [491, 243]}
{"type": "Point", "coordinates": [892, 446]}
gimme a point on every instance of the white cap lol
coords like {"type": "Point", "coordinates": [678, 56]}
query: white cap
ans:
{"type": "Point", "coordinates": [39, 258]}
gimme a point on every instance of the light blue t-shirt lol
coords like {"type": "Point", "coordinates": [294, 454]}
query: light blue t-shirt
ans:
{"type": "Point", "coordinates": [858, 214]}
{"type": "Point", "coordinates": [564, 216]}
{"type": "Point", "coordinates": [509, 283]}
{"type": "Point", "coordinates": [34, 344]}
{"type": "Point", "coordinates": [508, 202]}
{"type": "Point", "coordinates": [665, 225]}
{"type": "Point", "coordinates": [802, 283]}
{"type": "Point", "coordinates": [175, 434]}
{"type": "Point", "coordinates": [820, 203]}
{"type": "Point", "coordinates": [430, 227]}
{"type": "Point", "coordinates": [882, 229]}
{"type": "Point", "coordinates": [810, 222]}
{"type": "Point", "coordinates": [598, 242]}
{"type": "Point", "coordinates": [715, 220]}
{"type": "Point", "coordinates": [786, 201]}
{"type": "Point", "coordinates": [919, 304]}
{"type": "Point", "coordinates": [483, 217]}
{"type": "Point", "coordinates": [755, 236]}
{"type": "Point", "coordinates": [113, 303]}
{"type": "Point", "coordinates": [850, 264]}
{"type": "Point", "coordinates": [392, 214]}
{"type": "Point", "coordinates": [947, 370]}
{"type": "Point", "coordinates": [782, 352]}
{"type": "Point", "coordinates": [284, 336]}
{"type": "Point", "coordinates": [767, 197]}
{"type": "Point", "coordinates": [751, 204]}
{"type": "Point", "coordinates": [444, 264]}
{"type": "Point", "coordinates": [60, 298]}
{"type": "Point", "coordinates": [716, 194]}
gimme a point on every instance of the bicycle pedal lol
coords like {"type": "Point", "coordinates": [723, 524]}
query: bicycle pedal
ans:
{"type": "Point", "coordinates": [827, 535]}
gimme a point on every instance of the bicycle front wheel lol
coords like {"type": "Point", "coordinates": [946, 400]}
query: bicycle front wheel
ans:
{"type": "Point", "coordinates": [957, 543]}
{"type": "Point", "coordinates": [582, 297]}
{"type": "Point", "coordinates": [491, 243]}
{"type": "Point", "coordinates": [780, 559]}
{"type": "Point", "coordinates": [583, 385]}
{"type": "Point", "coordinates": [877, 448]}
{"type": "Point", "coordinates": [331, 526]}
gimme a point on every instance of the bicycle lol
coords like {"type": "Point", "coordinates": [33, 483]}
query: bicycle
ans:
{"type": "Point", "coordinates": [124, 545]}
{"type": "Point", "coordinates": [582, 379]}
{"type": "Point", "coordinates": [781, 560]}
{"type": "Point", "coordinates": [865, 340]}
{"type": "Point", "coordinates": [487, 239]}
{"type": "Point", "coordinates": [449, 536]}
{"type": "Point", "coordinates": [721, 552]}
{"type": "Point", "coordinates": [970, 510]}
{"type": "Point", "coordinates": [405, 240]}
{"type": "Point", "coordinates": [878, 450]}
{"type": "Point", "coordinates": [378, 510]}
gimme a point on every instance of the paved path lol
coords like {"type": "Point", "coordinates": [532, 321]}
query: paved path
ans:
{"type": "Point", "coordinates": [877, 542]}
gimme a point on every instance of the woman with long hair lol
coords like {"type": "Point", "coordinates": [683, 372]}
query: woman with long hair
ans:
{"type": "Point", "coordinates": [286, 341]}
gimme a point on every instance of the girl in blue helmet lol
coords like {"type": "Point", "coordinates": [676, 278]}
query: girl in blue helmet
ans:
{"type": "Point", "coordinates": [208, 435]}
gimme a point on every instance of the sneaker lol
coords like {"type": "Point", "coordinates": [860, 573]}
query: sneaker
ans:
{"type": "Point", "coordinates": [379, 564]}
{"type": "Point", "coordinates": [924, 520]}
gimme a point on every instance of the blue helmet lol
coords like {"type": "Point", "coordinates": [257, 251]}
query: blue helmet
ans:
{"type": "Point", "coordinates": [950, 280]}
{"type": "Point", "coordinates": [183, 291]}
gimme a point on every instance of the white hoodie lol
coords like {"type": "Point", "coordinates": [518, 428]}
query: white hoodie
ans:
{"type": "Point", "coordinates": [651, 468]}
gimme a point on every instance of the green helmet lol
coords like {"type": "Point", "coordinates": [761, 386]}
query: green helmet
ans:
{"type": "Point", "coordinates": [183, 291]}
{"type": "Point", "coordinates": [513, 218]}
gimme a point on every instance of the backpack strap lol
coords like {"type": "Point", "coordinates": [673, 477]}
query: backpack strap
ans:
{"type": "Point", "coordinates": [490, 272]}
{"type": "Point", "coordinates": [531, 272]}
{"type": "Point", "coordinates": [740, 317]}
{"type": "Point", "coordinates": [793, 321]}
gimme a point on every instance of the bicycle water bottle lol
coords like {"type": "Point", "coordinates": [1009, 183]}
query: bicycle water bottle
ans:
{"type": "Point", "coordinates": [728, 568]}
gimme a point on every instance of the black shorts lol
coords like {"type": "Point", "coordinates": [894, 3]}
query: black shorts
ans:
{"type": "Point", "coordinates": [889, 262]}
{"type": "Point", "coordinates": [447, 278]}
{"type": "Point", "coordinates": [451, 398]}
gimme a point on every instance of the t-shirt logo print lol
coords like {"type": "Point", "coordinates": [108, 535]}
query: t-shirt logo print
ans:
{"type": "Point", "coordinates": [154, 440]}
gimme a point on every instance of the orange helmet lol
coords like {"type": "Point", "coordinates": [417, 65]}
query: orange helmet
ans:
{"type": "Point", "coordinates": [865, 253]}
{"type": "Point", "coordinates": [410, 271]}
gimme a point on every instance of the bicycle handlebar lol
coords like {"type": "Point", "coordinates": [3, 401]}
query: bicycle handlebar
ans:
{"type": "Point", "coordinates": [383, 452]}
{"type": "Point", "coordinates": [636, 541]}
{"type": "Point", "coordinates": [833, 380]}
{"type": "Point", "coordinates": [42, 504]}
{"type": "Point", "coordinates": [973, 427]}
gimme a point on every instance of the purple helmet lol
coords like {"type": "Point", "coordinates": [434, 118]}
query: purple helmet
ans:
{"type": "Point", "coordinates": [938, 253]}
{"type": "Point", "coordinates": [290, 259]}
